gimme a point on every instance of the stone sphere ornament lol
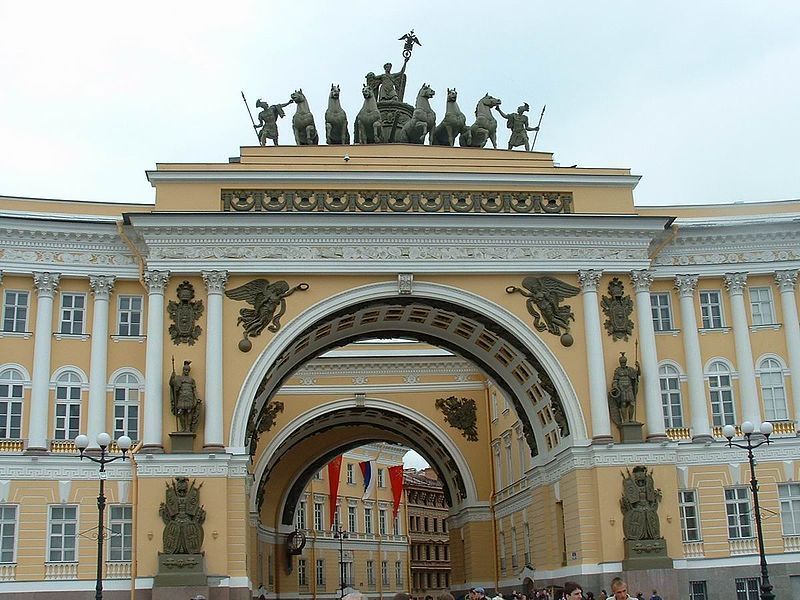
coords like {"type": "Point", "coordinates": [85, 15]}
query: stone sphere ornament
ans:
{"type": "Point", "coordinates": [567, 340]}
{"type": "Point", "coordinates": [245, 345]}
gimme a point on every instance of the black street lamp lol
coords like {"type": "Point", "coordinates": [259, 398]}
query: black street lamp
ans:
{"type": "Point", "coordinates": [103, 440]}
{"type": "Point", "coordinates": [748, 429]}
{"type": "Point", "coordinates": [340, 534]}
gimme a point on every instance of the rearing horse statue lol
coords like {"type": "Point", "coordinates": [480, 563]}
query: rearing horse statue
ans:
{"type": "Point", "coordinates": [485, 126]}
{"type": "Point", "coordinates": [336, 131]}
{"type": "Point", "coordinates": [422, 121]}
{"type": "Point", "coordinates": [305, 132]}
{"type": "Point", "coordinates": [453, 123]}
{"type": "Point", "coordinates": [368, 127]}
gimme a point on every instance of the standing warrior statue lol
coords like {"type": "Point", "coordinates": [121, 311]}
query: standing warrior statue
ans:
{"type": "Point", "coordinates": [518, 124]}
{"type": "Point", "coordinates": [624, 387]}
{"type": "Point", "coordinates": [268, 120]}
{"type": "Point", "coordinates": [183, 398]}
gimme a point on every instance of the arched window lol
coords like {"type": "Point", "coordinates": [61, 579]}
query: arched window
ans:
{"type": "Point", "coordinates": [10, 404]}
{"type": "Point", "coordinates": [68, 406]}
{"type": "Point", "coordinates": [669, 379]}
{"type": "Point", "coordinates": [773, 392]}
{"type": "Point", "coordinates": [126, 406]}
{"type": "Point", "coordinates": [721, 393]}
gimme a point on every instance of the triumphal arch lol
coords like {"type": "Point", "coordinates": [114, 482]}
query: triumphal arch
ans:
{"type": "Point", "coordinates": [564, 359]}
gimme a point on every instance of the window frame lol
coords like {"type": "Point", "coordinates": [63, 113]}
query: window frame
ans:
{"type": "Point", "coordinates": [300, 520]}
{"type": "Point", "coordinates": [769, 302]}
{"type": "Point", "coordinates": [134, 384]}
{"type": "Point", "coordinates": [657, 311]}
{"type": "Point", "coordinates": [302, 573]}
{"type": "Point", "coordinates": [16, 309]}
{"type": "Point", "coordinates": [368, 530]}
{"type": "Point", "coordinates": [129, 535]}
{"type": "Point", "coordinates": [793, 501]}
{"type": "Point", "coordinates": [733, 510]}
{"type": "Point", "coordinates": [694, 505]}
{"type": "Point", "coordinates": [669, 373]}
{"type": "Point", "coordinates": [319, 517]}
{"type": "Point", "coordinates": [351, 480]}
{"type": "Point", "coordinates": [707, 318]}
{"type": "Point", "coordinates": [13, 521]}
{"type": "Point", "coordinates": [772, 413]}
{"type": "Point", "coordinates": [129, 311]}
{"type": "Point", "coordinates": [701, 594]}
{"type": "Point", "coordinates": [716, 371]}
{"type": "Point", "coordinates": [319, 571]}
{"type": "Point", "coordinates": [751, 588]}
{"type": "Point", "coordinates": [68, 403]}
{"type": "Point", "coordinates": [51, 521]}
{"type": "Point", "coordinates": [16, 379]}
{"type": "Point", "coordinates": [67, 314]}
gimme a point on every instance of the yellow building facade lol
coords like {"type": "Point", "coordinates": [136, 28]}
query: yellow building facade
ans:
{"type": "Point", "coordinates": [419, 246]}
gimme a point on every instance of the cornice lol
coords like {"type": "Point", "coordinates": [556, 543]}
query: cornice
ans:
{"type": "Point", "coordinates": [396, 178]}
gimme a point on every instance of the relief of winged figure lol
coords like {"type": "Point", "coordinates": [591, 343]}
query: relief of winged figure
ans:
{"type": "Point", "coordinates": [546, 293]}
{"type": "Point", "coordinates": [269, 305]}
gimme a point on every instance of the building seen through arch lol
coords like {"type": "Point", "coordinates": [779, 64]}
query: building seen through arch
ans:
{"type": "Point", "coordinates": [473, 305]}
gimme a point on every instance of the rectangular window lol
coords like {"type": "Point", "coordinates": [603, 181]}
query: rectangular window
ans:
{"type": "Point", "coordinates": [15, 311]}
{"type": "Point", "coordinates": [671, 407]}
{"type": "Point", "coordinates": [8, 533]}
{"type": "Point", "coordinates": [73, 313]}
{"type": "Point", "coordinates": [370, 572]}
{"type": "Point", "coordinates": [382, 528]}
{"type": "Point", "coordinates": [711, 309]}
{"type": "Point", "coordinates": [789, 495]}
{"type": "Point", "coordinates": [737, 507]}
{"type": "Point", "coordinates": [690, 522]}
{"type": "Point", "coordinates": [348, 572]}
{"type": "Point", "coordinates": [501, 540]}
{"type": "Point", "coordinates": [126, 413]}
{"type": "Point", "coordinates": [63, 537]}
{"type": "Point", "coordinates": [514, 558]}
{"type": "Point", "coordinates": [385, 572]}
{"type": "Point", "coordinates": [68, 412]}
{"type": "Point", "coordinates": [747, 588]}
{"type": "Point", "coordinates": [300, 516]}
{"type": "Point", "coordinates": [660, 309]}
{"type": "Point", "coordinates": [381, 480]}
{"type": "Point", "coordinates": [129, 317]}
{"type": "Point", "coordinates": [721, 393]}
{"type": "Point", "coordinates": [302, 575]}
{"type": "Point", "coordinates": [350, 478]}
{"type": "Point", "coordinates": [368, 521]}
{"type": "Point", "coordinates": [761, 306]}
{"type": "Point", "coordinates": [351, 518]}
{"type": "Point", "coordinates": [318, 523]}
{"type": "Point", "coordinates": [120, 525]}
{"type": "Point", "coordinates": [320, 571]}
{"type": "Point", "coordinates": [396, 525]}
{"type": "Point", "coordinates": [10, 405]}
{"type": "Point", "coordinates": [526, 541]}
{"type": "Point", "coordinates": [336, 520]}
{"type": "Point", "coordinates": [697, 590]}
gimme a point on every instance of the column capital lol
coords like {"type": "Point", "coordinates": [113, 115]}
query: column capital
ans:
{"type": "Point", "coordinates": [589, 279]}
{"type": "Point", "coordinates": [155, 281]}
{"type": "Point", "coordinates": [735, 283]}
{"type": "Point", "coordinates": [642, 280]}
{"type": "Point", "coordinates": [101, 286]}
{"type": "Point", "coordinates": [46, 284]}
{"type": "Point", "coordinates": [686, 284]}
{"type": "Point", "coordinates": [786, 280]}
{"type": "Point", "coordinates": [215, 281]}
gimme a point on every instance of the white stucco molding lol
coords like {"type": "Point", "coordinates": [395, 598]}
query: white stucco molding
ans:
{"type": "Point", "coordinates": [283, 338]}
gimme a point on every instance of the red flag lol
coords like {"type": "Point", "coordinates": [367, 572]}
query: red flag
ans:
{"type": "Point", "coordinates": [396, 479]}
{"type": "Point", "coordinates": [334, 468]}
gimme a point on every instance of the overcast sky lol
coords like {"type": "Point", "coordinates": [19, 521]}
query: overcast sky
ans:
{"type": "Point", "coordinates": [700, 98]}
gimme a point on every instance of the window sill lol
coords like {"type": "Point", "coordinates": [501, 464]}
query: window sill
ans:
{"type": "Point", "coordinates": [25, 335]}
{"type": "Point", "coordinates": [672, 332]}
{"type": "Point", "coordinates": [765, 326]}
{"type": "Point", "coordinates": [705, 330]}
{"type": "Point", "coordinates": [72, 336]}
{"type": "Point", "coordinates": [128, 338]}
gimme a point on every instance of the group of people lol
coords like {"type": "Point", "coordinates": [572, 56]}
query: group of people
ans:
{"type": "Point", "coordinates": [571, 591]}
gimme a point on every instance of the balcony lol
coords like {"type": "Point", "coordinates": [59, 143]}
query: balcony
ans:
{"type": "Point", "coordinates": [742, 546]}
{"type": "Point", "coordinates": [60, 570]}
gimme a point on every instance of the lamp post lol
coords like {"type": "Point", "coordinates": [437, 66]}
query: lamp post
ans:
{"type": "Point", "coordinates": [341, 534]}
{"type": "Point", "coordinates": [103, 440]}
{"type": "Point", "coordinates": [748, 429]}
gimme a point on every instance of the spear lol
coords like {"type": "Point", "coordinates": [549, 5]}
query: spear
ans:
{"type": "Point", "coordinates": [535, 135]}
{"type": "Point", "coordinates": [255, 127]}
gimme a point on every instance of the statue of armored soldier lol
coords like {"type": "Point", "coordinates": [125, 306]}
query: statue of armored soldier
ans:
{"type": "Point", "coordinates": [268, 120]}
{"type": "Point", "coordinates": [518, 124]}
{"type": "Point", "coordinates": [624, 387]}
{"type": "Point", "coordinates": [184, 403]}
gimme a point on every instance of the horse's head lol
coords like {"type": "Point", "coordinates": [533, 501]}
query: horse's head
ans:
{"type": "Point", "coordinates": [298, 97]}
{"type": "Point", "coordinates": [426, 91]}
{"type": "Point", "coordinates": [452, 95]}
{"type": "Point", "coordinates": [366, 91]}
{"type": "Point", "coordinates": [490, 101]}
{"type": "Point", "coordinates": [334, 92]}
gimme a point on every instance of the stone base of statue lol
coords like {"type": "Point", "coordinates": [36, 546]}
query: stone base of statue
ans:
{"type": "Point", "coordinates": [182, 442]}
{"type": "Point", "coordinates": [631, 432]}
{"type": "Point", "coordinates": [393, 116]}
{"type": "Point", "coordinates": [646, 554]}
{"type": "Point", "coordinates": [181, 570]}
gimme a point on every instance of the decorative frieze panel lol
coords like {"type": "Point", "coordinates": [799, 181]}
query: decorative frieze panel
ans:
{"type": "Point", "coordinates": [396, 201]}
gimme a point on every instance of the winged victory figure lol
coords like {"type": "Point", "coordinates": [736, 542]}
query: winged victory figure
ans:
{"type": "Point", "coordinates": [546, 293]}
{"type": "Point", "coordinates": [269, 305]}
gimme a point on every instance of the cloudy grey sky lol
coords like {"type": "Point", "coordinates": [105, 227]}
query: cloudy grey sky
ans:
{"type": "Point", "coordinates": [701, 98]}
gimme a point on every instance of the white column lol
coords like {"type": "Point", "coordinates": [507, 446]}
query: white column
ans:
{"type": "Point", "coordinates": [701, 427]}
{"type": "Point", "coordinates": [155, 281]}
{"type": "Point", "coordinates": [98, 364]}
{"type": "Point", "coordinates": [786, 281]}
{"type": "Point", "coordinates": [653, 411]}
{"type": "Point", "coordinates": [215, 284]}
{"type": "Point", "coordinates": [595, 363]}
{"type": "Point", "coordinates": [748, 391]}
{"type": "Point", "coordinates": [46, 285]}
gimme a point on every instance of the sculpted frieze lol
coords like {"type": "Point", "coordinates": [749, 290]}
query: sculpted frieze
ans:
{"type": "Point", "coordinates": [65, 258]}
{"type": "Point", "coordinates": [717, 258]}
